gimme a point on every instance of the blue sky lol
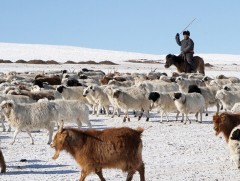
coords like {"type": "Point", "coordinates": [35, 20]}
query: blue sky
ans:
{"type": "Point", "coordinates": [146, 26]}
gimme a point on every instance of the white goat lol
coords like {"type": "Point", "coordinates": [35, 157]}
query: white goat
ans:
{"type": "Point", "coordinates": [132, 98]}
{"type": "Point", "coordinates": [164, 102]}
{"type": "Point", "coordinates": [228, 98]}
{"type": "Point", "coordinates": [185, 83]}
{"type": "Point", "coordinates": [29, 117]}
{"type": "Point", "coordinates": [189, 103]}
{"type": "Point", "coordinates": [97, 94]}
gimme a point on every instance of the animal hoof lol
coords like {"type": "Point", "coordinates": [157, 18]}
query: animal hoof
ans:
{"type": "Point", "coordinates": [128, 119]}
{"type": "Point", "coordinates": [124, 119]}
{"type": "Point", "coordinates": [206, 114]}
{"type": "Point", "coordinates": [147, 119]}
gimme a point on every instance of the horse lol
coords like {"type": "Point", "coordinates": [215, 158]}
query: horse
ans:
{"type": "Point", "coordinates": [182, 65]}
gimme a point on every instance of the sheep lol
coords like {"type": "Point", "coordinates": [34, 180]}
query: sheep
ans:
{"type": "Point", "coordinates": [2, 162]}
{"type": "Point", "coordinates": [97, 94]}
{"type": "Point", "coordinates": [234, 145]}
{"type": "Point", "coordinates": [185, 83]}
{"type": "Point", "coordinates": [231, 87]}
{"type": "Point", "coordinates": [164, 102]}
{"type": "Point", "coordinates": [54, 93]}
{"type": "Point", "coordinates": [208, 94]}
{"type": "Point", "coordinates": [71, 110]}
{"type": "Point", "coordinates": [225, 123]}
{"type": "Point", "coordinates": [72, 93]}
{"type": "Point", "coordinates": [228, 98]}
{"type": "Point", "coordinates": [95, 150]}
{"type": "Point", "coordinates": [189, 103]}
{"type": "Point", "coordinates": [132, 98]}
{"type": "Point", "coordinates": [29, 116]}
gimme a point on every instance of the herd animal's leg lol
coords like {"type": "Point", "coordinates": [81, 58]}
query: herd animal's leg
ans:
{"type": "Point", "coordinates": [206, 110]}
{"type": "Point", "coordinates": [14, 136]}
{"type": "Point", "coordinates": [186, 118]}
{"type": "Point", "coordinates": [31, 138]}
{"type": "Point", "coordinates": [3, 126]}
{"type": "Point", "coordinates": [99, 109]}
{"type": "Point", "coordinates": [141, 171]}
{"type": "Point", "coordinates": [166, 116]}
{"type": "Point", "coordinates": [9, 128]}
{"type": "Point", "coordinates": [130, 175]}
{"type": "Point", "coordinates": [147, 115]}
{"type": "Point", "coordinates": [114, 112]}
{"type": "Point", "coordinates": [182, 117]}
{"type": "Point", "coordinates": [107, 110]}
{"type": "Point", "coordinates": [50, 132]}
{"type": "Point", "coordinates": [161, 116]}
{"type": "Point", "coordinates": [2, 162]}
{"type": "Point", "coordinates": [79, 123]}
{"type": "Point", "coordinates": [177, 115]}
{"type": "Point", "coordinates": [118, 112]}
{"type": "Point", "coordinates": [134, 113]}
{"type": "Point", "coordinates": [218, 107]}
{"type": "Point", "coordinates": [125, 115]}
{"type": "Point", "coordinates": [93, 109]}
{"type": "Point", "coordinates": [128, 117]}
{"type": "Point", "coordinates": [141, 114]}
{"type": "Point", "coordinates": [83, 175]}
{"type": "Point", "coordinates": [200, 117]}
{"type": "Point", "coordinates": [100, 175]}
{"type": "Point", "coordinates": [196, 115]}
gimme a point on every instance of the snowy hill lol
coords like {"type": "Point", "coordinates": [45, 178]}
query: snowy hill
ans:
{"type": "Point", "coordinates": [14, 52]}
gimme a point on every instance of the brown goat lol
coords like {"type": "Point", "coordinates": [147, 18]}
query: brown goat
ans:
{"type": "Point", "coordinates": [225, 122]}
{"type": "Point", "coordinates": [95, 150]}
{"type": "Point", "coordinates": [2, 162]}
{"type": "Point", "coordinates": [54, 80]}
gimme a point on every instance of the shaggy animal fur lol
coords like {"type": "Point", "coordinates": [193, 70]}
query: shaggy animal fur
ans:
{"type": "Point", "coordinates": [95, 150]}
{"type": "Point", "coordinates": [54, 80]}
{"type": "Point", "coordinates": [181, 65]}
{"type": "Point", "coordinates": [234, 146]}
{"type": "Point", "coordinates": [225, 122]}
{"type": "Point", "coordinates": [2, 162]}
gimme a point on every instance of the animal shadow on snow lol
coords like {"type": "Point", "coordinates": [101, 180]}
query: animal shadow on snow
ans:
{"type": "Point", "coordinates": [35, 167]}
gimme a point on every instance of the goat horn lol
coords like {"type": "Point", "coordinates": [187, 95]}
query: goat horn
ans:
{"type": "Point", "coordinates": [61, 126]}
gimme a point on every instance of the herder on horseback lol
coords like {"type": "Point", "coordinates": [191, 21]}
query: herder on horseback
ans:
{"type": "Point", "coordinates": [187, 50]}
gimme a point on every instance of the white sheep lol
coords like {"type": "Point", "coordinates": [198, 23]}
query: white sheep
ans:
{"type": "Point", "coordinates": [28, 117]}
{"type": "Point", "coordinates": [97, 94]}
{"type": "Point", "coordinates": [228, 98]}
{"type": "Point", "coordinates": [209, 96]}
{"type": "Point", "coordinates": [189, 103]}
{"type": "Point", "coordinates": [234, 146]}
{"type": "Point", "coordinates": [236, 108]}
{"type": "Point", "coordinates": [164, 102]}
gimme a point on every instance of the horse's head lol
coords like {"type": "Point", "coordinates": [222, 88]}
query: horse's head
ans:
{"type": "Point", "coordinates": [169, 60]}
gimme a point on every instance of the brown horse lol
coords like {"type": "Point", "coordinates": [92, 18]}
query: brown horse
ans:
{"type": "Point", "coordinates": [182, 65]}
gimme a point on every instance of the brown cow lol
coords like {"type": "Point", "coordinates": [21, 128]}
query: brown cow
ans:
{"type": "Point", "coordinates": [225, 122]}
{"type": "Point", "coordinates": [2, 163]}
{"type": "Point", "coordinates": [95, 150]}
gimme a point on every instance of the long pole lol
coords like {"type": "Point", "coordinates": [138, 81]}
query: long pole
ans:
{"type": "Point", "coordinates": [188, 25]}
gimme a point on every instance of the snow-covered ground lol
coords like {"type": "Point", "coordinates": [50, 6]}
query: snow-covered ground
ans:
{"type": "Point", "coordinates": [172, 150]}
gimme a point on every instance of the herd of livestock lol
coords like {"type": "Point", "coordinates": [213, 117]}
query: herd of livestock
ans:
{"type": "Point", "coordinates": [31, 101]}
